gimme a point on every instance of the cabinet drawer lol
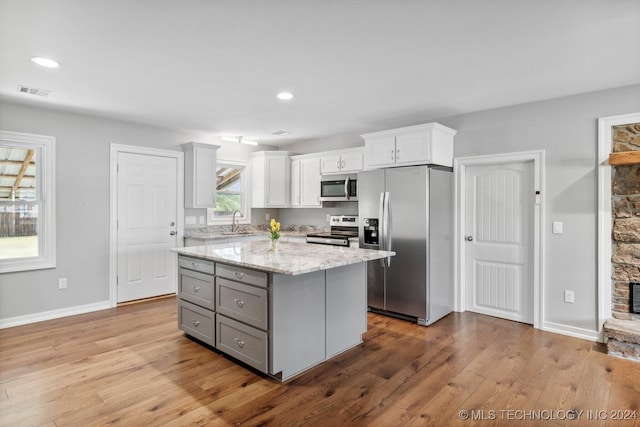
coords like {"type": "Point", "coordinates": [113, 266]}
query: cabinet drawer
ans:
{"type": "Point", "coordinates": [242, 302]}
{"type": "Point", "coordinates": [197, 322]}
{"type": "Point", "coordinates": [196, 264]}
{"type": "Point", "coordinates": [198, 288]}
{"type": "Point", "coordinates": [243, 342]}
{"type": "Point", "coordinates": [244, 275]}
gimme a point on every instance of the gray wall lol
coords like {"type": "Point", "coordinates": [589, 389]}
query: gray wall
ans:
{"type": "Point", "coordinates": [566, 128]}
{"type": "Point", "coordinates": [82, 203]}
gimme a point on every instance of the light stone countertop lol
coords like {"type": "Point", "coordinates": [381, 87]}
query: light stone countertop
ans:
{"type": "Point", "coordinates": [291, 258]}
{"type": "Point", "coordinates": [209, 236]}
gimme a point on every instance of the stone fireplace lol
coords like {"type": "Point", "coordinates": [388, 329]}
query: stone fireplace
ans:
{"type": "Point", "coordinates": [623, 331]}
{"type": "Point", "coordinates": [625, 190]}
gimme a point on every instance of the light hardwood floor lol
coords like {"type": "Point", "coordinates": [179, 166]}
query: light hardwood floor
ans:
{"type": "Point", "coordinates": [131, 366]}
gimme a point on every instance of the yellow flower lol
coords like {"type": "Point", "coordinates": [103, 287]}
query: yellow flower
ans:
{"type": "Point", "coordinates": [274, 227]}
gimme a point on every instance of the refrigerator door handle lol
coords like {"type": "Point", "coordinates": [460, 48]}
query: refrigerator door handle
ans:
{"type": "Point", "coordinates": [381, 227]}
{"type": "Point", "coordinates": [387, 228]}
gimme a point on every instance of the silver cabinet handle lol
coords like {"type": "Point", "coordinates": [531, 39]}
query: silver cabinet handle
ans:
{"type": "Point", "coordinates": [338, 164]}
{"type": "Point", "coordinates": [173, 233]}
{"type": "Point", "coordinates": [397, 155]}
{"type": "Point", "coordinates": [196, 323]}
{"type": "Point", "coordinates": [392, 153]}
{"type": "Point", "coordinates": [195, 265]}
{"type": "Point", "coordinates": [342, 165]}
{"type": "Point", "coordinates": [196, 288]}
{"type": "Point", "coordinates": [469, 238]}
{"type": "Point", "coordinates": [239, 342]}
{"type": "Point", "coordinates": [238, 274]}
{"type": "Point", "coordinates": [239, 302]}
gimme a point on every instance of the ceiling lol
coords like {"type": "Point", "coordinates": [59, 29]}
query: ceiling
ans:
{"type": "Point", "coordinates": [353, 66]}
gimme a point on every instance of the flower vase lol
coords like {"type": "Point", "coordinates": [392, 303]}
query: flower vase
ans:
{"type": "Point", "coordinates": [273, 245]}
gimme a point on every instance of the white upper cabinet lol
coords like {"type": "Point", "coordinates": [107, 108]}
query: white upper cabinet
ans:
{"type": "Point", "coordinates": [295, 182]}
{"type": "Point", "coordinates": [431, 143]}
{"type": "Point", "coordinates": [270, 179]}
{"type": "Point", "coordinates": [341, 161]}
{"type": "Point", "coordinates": [200, 175]}
{"type": "Point", "coordinates": [305, 181]}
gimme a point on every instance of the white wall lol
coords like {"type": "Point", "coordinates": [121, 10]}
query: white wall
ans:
{"type": "Point", "coordinates": [566, 128]}
{"type": "Point", "coordinates": [82, 190]}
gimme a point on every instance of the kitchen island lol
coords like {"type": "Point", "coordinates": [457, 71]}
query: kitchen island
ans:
{"type": "Point", "coordinates": [280, 312]}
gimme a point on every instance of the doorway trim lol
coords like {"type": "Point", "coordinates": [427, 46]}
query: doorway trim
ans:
{"type": "Point", "coordinates": [604, 212]}
{"type": "Point", "coordinates": [113, 206]}
{"type": "Point", "coordinates": [460, 165]}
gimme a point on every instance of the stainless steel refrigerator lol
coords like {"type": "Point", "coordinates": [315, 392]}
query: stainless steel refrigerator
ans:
{"type": "Point", "coordinates": [408, 210]}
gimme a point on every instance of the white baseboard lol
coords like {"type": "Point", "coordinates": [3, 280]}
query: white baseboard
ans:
{"type": "Point", "coordinates": [571, 331]}
{"type": "Point", "coordinates": [53, 314]}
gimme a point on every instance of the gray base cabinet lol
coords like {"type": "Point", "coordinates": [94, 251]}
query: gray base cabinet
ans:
{"type": "Point", "coordinates": [247, 344]}
{"type": "Point", "coordinates": [279, 324]}
{"type": "Point", "coordinates": [196, 321]}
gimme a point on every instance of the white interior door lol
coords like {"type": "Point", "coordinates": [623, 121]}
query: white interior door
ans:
{"type": "Point", "coordinates": [147, 216]}
{"type": "Point", "coordinates": [498, 239]}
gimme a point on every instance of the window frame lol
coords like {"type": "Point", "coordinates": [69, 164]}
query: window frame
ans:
{"type": "Point", "coordinates": [45, 147]}
{"type": "Point", "coordinates": [246, 194]}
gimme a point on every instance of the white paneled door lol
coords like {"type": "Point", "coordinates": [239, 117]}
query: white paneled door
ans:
{"type": "Point", "coordinates": [147, 229]}
{"type": "Point", "coordinates": [498, 237]}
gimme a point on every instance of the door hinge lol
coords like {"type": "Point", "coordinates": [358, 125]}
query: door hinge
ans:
{"type": "Point", "coordinates": [118, 168]}
{"type": "Point", "coordinates": [117, 280]}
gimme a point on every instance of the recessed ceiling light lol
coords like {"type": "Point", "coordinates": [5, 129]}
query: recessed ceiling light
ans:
{"type": "Point", "coordinates": [45, 62]}
{"type": "Point", "coordinates": [285, 96]}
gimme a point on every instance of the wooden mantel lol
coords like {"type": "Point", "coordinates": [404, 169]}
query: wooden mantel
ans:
{"type": "Point", "coordinates": [624, 158]}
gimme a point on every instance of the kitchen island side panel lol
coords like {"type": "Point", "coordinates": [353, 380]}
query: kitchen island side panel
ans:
{"type": "Point", "coordinates": [297, 322]}
{"type": "Point", "coordinates": [346, 297]}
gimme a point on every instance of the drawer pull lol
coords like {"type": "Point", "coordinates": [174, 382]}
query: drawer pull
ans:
{"type": "Point", "coordinates": [239, 342]}
{"type": "Point", "coordinates": [196, 323]}
{"type": "Point", "coordinates": [239, 302]}
{"type": "Point", "coordinates": [238, 274]}
{"type": "Point", "coordinates": [195, 265]}
{"type": "Point", "coordinates": [196, 288]}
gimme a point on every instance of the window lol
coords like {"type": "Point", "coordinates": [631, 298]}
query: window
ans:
{"type": "Point", "coordinates": [27, 202]}
{"type": "Point", "coordinates": [232, 188]}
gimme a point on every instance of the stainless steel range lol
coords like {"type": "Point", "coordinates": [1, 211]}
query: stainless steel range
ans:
{"type": "Point", "coordinates": [342, 227]}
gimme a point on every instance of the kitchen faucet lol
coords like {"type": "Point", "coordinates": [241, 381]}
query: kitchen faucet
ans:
{"type": "Point", "coordinates": [234, 224]}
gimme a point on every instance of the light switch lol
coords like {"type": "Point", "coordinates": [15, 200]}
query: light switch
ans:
{"type": "Point", "coordinates": [557, 227]}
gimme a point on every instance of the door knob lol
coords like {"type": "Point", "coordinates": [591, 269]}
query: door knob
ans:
{"type": "Point", "coordinates": [469, 238]}
{"type": "Point", "coordinates": [173, 233]}
{"type": "Point", "coordinates": [172, 223]}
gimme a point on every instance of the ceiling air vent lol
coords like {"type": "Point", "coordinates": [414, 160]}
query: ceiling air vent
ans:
{"type": "Point", "coordinates": [33, 90]}
{"type": "Point", "coordinates": [280, 133]}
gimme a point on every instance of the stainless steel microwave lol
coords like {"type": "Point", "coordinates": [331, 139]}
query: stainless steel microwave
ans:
{"type": "Point", "coordinates": [338, 189]}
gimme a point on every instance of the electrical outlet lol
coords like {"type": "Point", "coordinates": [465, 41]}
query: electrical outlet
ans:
{"type": "Point", "coordinates": [569, 297]}
{"type": "Point", "coordinates": [62, 283]}
{"type": "Point", "coordinates": [190, 220]}
{"type": "Point", "coordinates": [328, 218]}
{"type": "Point", "coordinates": [201, 219]}
{"type": "Point", "coordinates": [557, 227]}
